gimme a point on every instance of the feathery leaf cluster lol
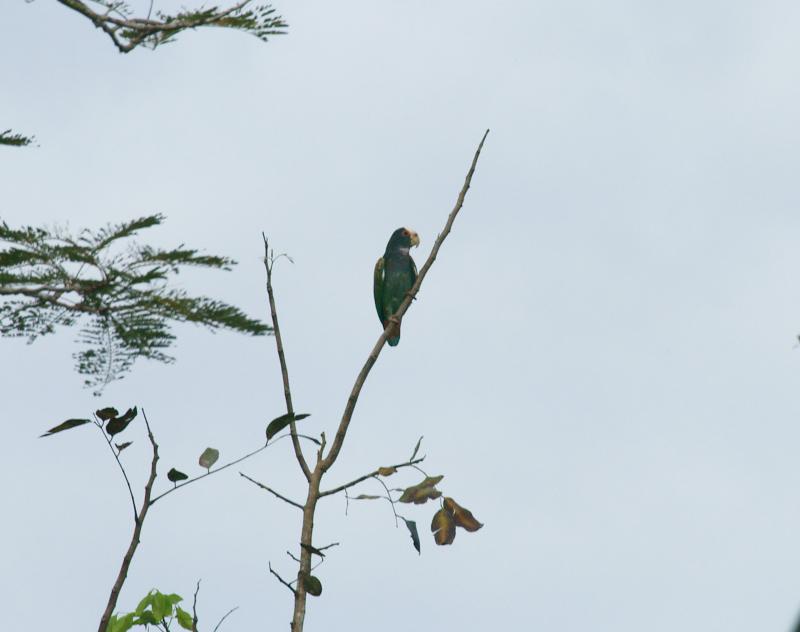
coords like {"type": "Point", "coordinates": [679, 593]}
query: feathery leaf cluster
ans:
{"type": "Point", "coordinates": [117, 20]}
{"type": "Point", "coordinates": [15, 140]}
{"type": "Point", "coordinates": [122, 296]}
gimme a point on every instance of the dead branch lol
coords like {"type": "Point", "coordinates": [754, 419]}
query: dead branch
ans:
{"type": "Point", "coordinates": [269, 262]}
{"type": "Point", "coordinates": [324, 463]}
{"type": "Point", "coordinates": [273, 492]}
{"type": "Point", "coordinates": [281, 579]}
{"type": "Point", "coordinates": [338, 440]}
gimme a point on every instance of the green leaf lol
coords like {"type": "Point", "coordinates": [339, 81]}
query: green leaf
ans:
{"type": "Point", "coordinates": [147, 600]}
{"type": "Point", "coordinates": [147, 618]}
{"type": "Point", "coordinates": [412, 528]}
{"type": "Point", "coordinates": [185, 620]}
{"type": "Point", "coordinates": [208, 458]}
{"type": "Point", "coordinates": [279, 423]}
{"type": "Point", "coordinates": [120, 623]}
{"type": "Point", "coordinates": [106, 413]}
{"type": "Point", "coordinates": [162, 606]}
{"type": "Point", "coordinates": [118, 424]}
{"type": "Point", "coordinates": [65, 425]}
{"type": "Point", "coordinates": [176, 475]}
{"type": "Point", "coordinates": [312, 585]}
{"type": "Point", "coordinates": [416, 449]}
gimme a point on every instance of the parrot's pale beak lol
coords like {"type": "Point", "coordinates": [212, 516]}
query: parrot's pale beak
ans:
{"type": "Point", "coordinates": [414, 238]}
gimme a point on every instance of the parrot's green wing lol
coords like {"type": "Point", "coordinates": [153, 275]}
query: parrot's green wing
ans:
{"type": "Point", "coordinates": [377, 288]}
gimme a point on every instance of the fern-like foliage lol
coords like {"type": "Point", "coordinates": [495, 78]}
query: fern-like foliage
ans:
{"type": "Point", "coordinates": [120, 296]}
{"type": "Point", "coordinates": [15, 140]}
{"type": "Point", "coordinates": [117, 19]}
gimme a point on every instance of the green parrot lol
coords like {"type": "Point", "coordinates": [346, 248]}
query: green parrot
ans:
{"type": "Point", "coordinates": [395, 274]}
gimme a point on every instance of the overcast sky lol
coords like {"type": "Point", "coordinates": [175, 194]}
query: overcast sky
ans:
{"type": "Point", "coordinates": [601, 360]}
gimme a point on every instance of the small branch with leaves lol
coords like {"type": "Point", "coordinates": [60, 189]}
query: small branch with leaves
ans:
{"type": "Point", "coordinates": [116, 19]}
{"type": "Point", "coordinates": [111, 423]}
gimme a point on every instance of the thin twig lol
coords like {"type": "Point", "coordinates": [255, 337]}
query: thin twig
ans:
{"type": "Point", "coordinates": [281, 579]}
{"type": "Point", "coordinates": [341, 432]}
{"type": "Point", "coordinates": [194, 607]}
{"type": "Point", "coordinates": [99, 424]}
{"type": "Point", "coordinates": [272, 491]}
{"type": "Point", "coordinates": [137, 531]}
{"type": "Point", "coordinates": [388, 497]}
{"type": "Point", "coordinates": [360, 479]}
{"type": "Point", "coordinates": [269, 261]}
{"type": "Point", "coordinates": [225, 616]}
{"type": "Point", "coordinates": [293, 556]}
{"type": "Point", "coordinates": [214, 471]}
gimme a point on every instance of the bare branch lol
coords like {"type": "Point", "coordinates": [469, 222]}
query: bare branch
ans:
{"type": "Point", "coordinates": [282, 580]}
{"type": "Point", "coordinates": [137, 531]}
{"type": "Point", "coordinates": [225, 616]}
{"type": "Point", "coordinates": [341, 432]}
{"type": "Point", "coordinates": [269, 261]}
{"type": "Point", "coordinates": [273, 492]}
{"type": "Point", "coordinates": [214, 471]}
{"type": "Point", "coordinates": [374, 474]}
{"type": "Point", "coordinates": [194, 607]}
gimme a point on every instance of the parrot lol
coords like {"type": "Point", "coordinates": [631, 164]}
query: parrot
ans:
{"type": "Point", "coordinates": [395, 274]}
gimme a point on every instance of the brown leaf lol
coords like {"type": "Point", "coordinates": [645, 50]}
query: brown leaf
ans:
{"type": "Point", "coordinates": [386, 471]}
{"type": "Point", "coordinates": [422, 492]}
{"type": "Point", "coordinates": [365, 497]}
{"type": "Point", "coordinates": [462, 517]}
{"type": "Point", "coordinates": [443, 527]}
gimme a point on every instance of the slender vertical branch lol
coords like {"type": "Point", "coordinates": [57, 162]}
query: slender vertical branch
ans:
{"type": "Point", "coordinates": [121, 467]}
{"type": "Point", "coordinates": [287, 392]}
{"type": "Point", "coordinates": [338, 440]}
{"type": "Point", "coordinates": [324, 463]}
{"type": "Point", "coordinates": [137, 531]}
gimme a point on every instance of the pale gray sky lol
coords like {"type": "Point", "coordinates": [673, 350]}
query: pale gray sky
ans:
{"type": "Point", "coordinates": [601, 360]}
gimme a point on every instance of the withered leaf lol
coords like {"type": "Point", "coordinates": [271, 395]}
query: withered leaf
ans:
{"type": "Point", "coordinates": [422, 492]}
{"type": "Point", "coordinates": [365, 497]}
{"type": "Point", "coordinates": [443, 527]}
{"type": "Point", "coordinates": [106, 413]}
{"type": "Point", "coordinates": [65, 425]}
{"type": "Point", "coordinates": [121, 446]}
{"type": "Point", "coordinates": [462, 517]}
{"type": "Point", "coordinates": [386, 471]}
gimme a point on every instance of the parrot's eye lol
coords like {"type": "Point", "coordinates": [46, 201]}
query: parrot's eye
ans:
{"type": "Point", "coordinates": [405, 232]}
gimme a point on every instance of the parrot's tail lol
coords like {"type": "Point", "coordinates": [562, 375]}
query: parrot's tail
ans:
{"type": "Point", "coordinates": [394, 339]}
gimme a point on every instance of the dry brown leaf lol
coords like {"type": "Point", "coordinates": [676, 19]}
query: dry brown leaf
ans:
{"type": "Point", "coordinates": [462, 517]}
{"type": "Point", "coordinates": [443, 527]}
{"type": "Point", "coordinates": [420, 493]}
{"type": "Point", "coordinates": [386, 471]}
